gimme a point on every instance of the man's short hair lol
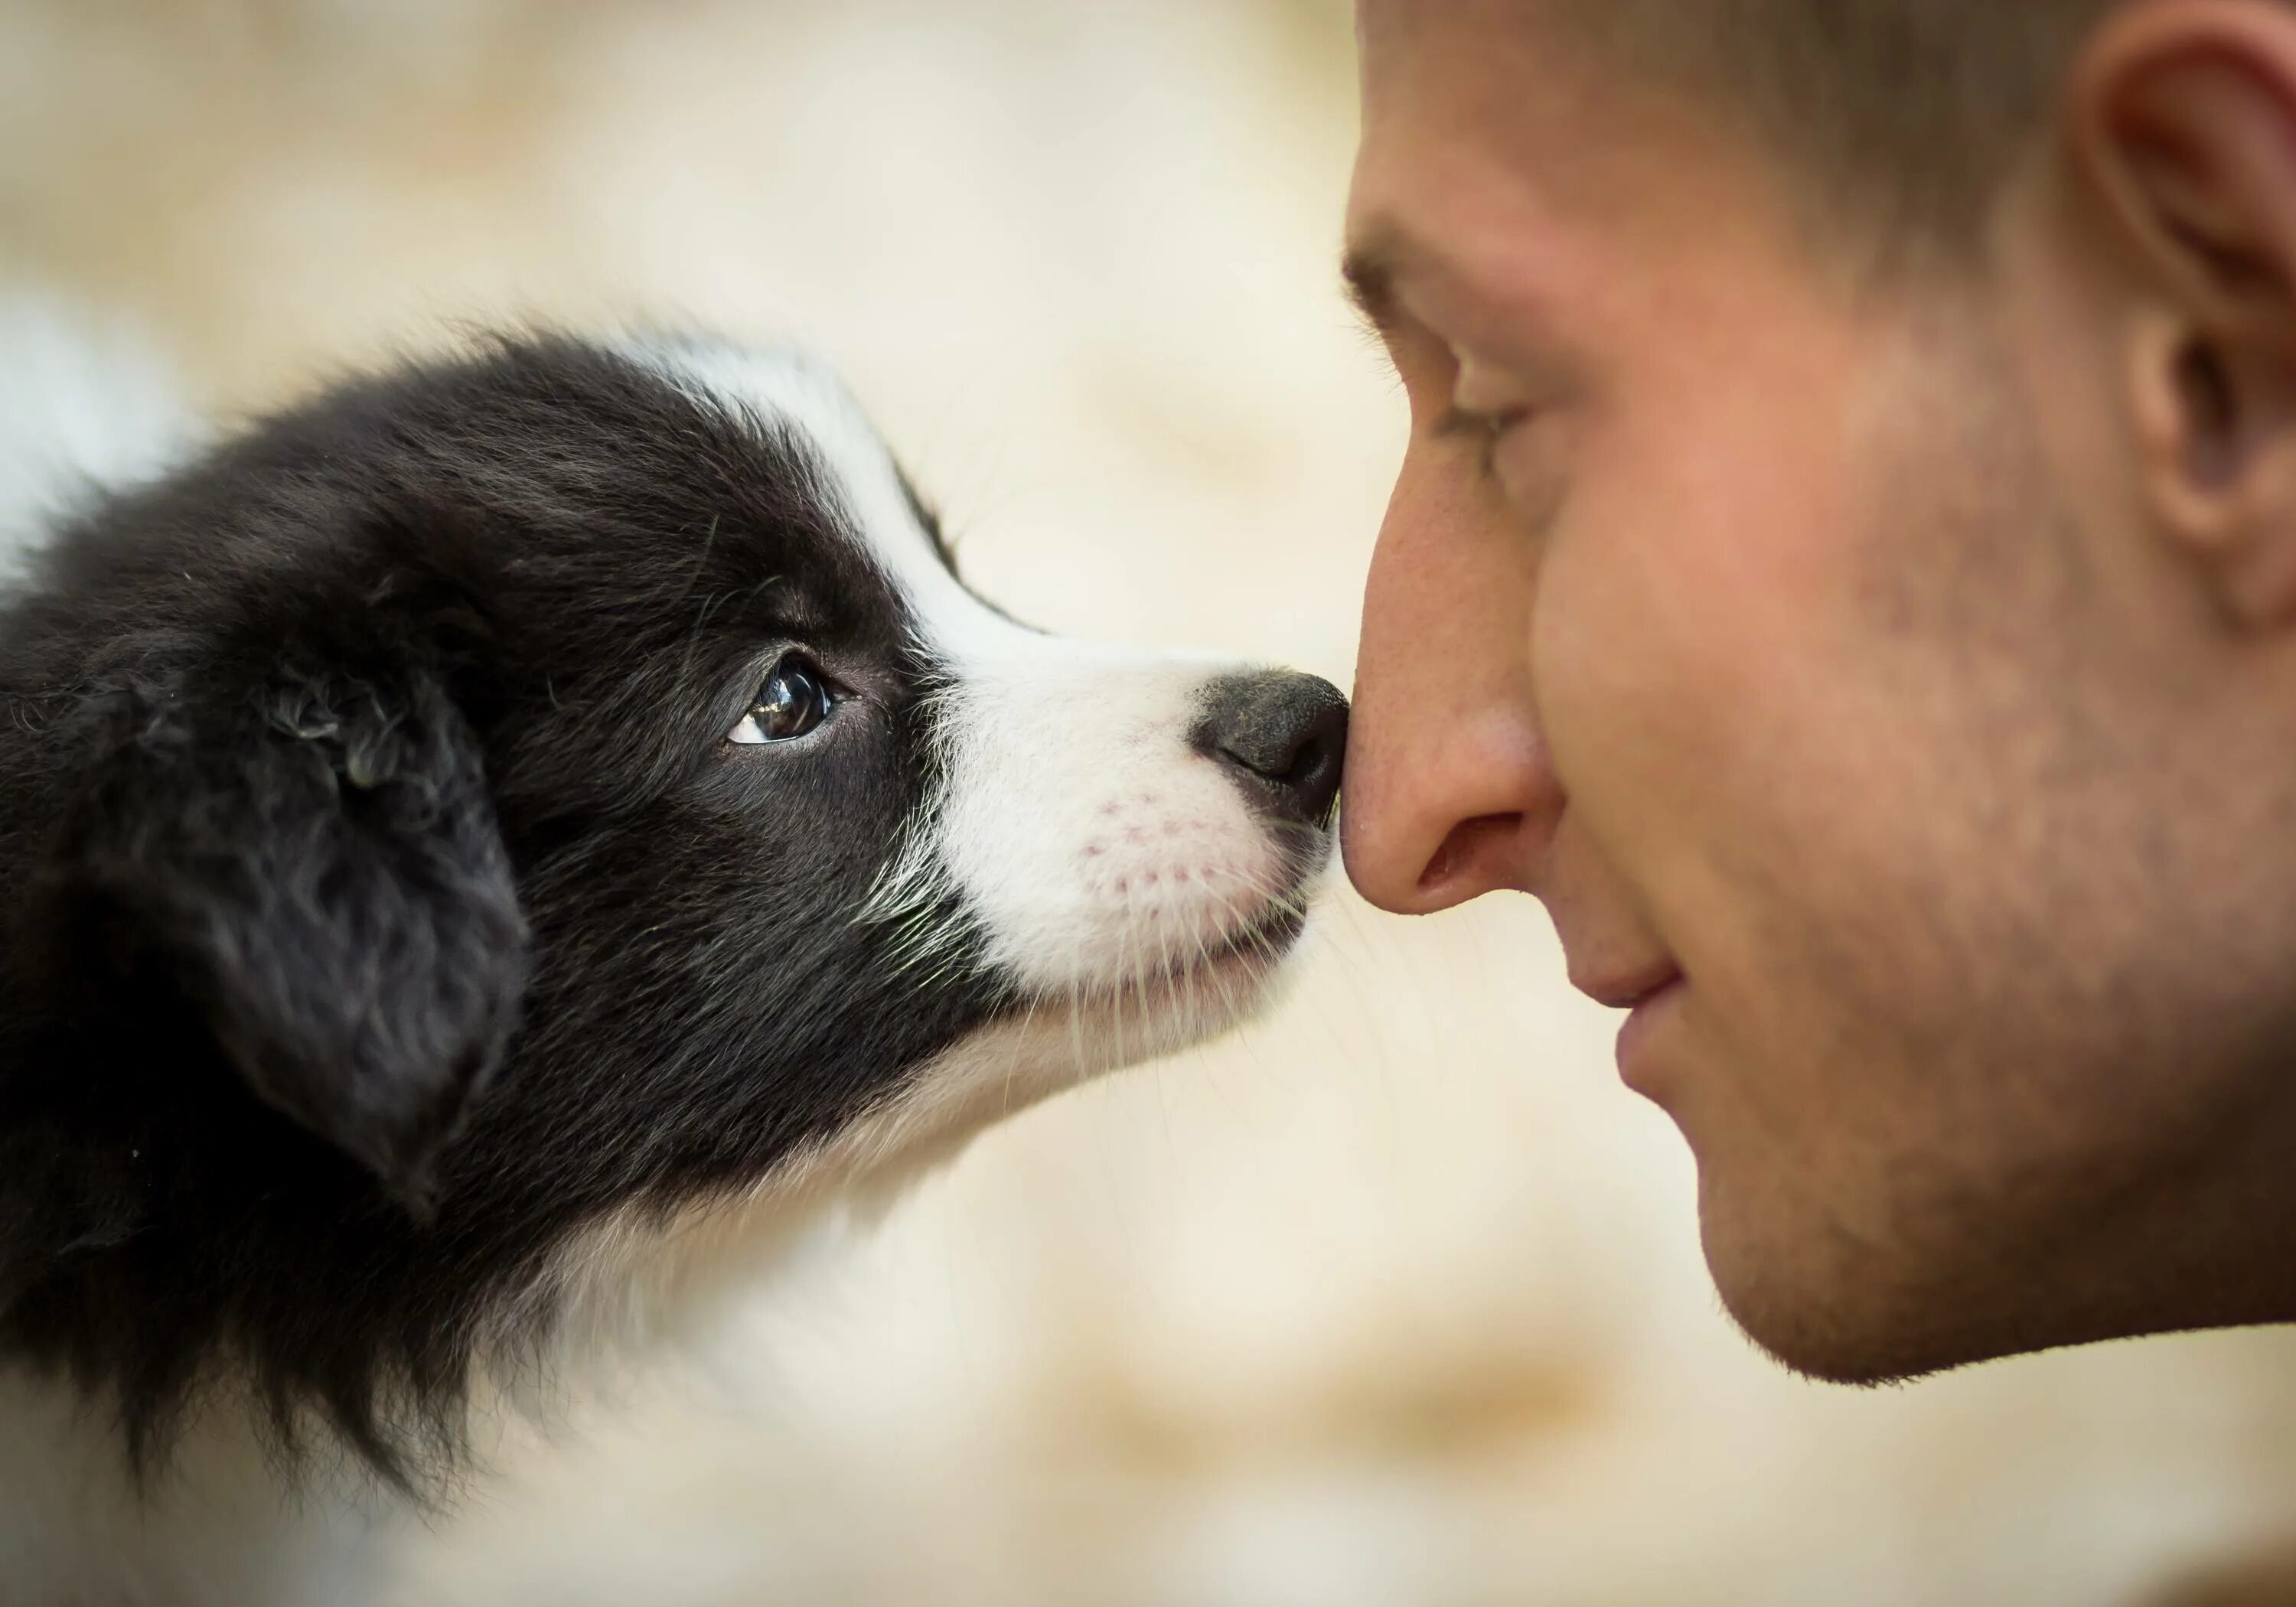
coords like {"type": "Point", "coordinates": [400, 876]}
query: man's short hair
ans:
{"type": "Point", "coordinates": [1904, 114]}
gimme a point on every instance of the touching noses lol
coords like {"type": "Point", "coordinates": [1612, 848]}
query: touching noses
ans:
{"type": "Point", "coordinates": [1450, 794]}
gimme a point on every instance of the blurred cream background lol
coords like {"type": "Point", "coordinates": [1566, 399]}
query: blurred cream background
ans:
{"type": "Point", "coordinates": [1393, 1301]}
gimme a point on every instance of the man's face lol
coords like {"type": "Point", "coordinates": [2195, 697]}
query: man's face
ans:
{"type": "Point", "coordinates": [1751, 616]}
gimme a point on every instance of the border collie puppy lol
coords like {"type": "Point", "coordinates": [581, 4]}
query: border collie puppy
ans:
{"type": "Point", "coordinates": [484, 847]}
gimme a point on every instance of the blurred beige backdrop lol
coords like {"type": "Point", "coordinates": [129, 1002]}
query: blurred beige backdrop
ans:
{"type": "Point", "coordinates": [1394, 1301]}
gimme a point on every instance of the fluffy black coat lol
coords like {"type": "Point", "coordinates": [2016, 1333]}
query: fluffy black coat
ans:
{"type": "Point", "coordinates": [381, 900]}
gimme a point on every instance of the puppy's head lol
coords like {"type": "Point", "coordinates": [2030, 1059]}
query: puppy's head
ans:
{"type": "Point", "coordinates": [523, 798]}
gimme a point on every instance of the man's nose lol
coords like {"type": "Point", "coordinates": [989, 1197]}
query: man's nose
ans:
{"type": "Point", "coordinates": [1437, 817]}
{"type": "Point", "coordinates": [1449, 793]}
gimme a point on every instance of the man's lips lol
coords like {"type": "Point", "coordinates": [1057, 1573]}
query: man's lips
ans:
{"type": "Point", "coordinates": [1649, 988]}
{"type": "Point", "coordinates": [1655, 1010]}
{"type": "Point", "coordinates": [1627, 990]}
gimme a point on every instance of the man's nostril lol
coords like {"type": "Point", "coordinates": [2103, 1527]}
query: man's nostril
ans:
{"type": "Point", "coordinates": [1463, 843]}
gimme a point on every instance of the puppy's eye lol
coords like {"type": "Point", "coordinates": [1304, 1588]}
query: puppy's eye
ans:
{"type": "Point", "coordinates": [791, 704]}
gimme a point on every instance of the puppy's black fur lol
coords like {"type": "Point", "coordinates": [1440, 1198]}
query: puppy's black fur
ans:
{"type": "Point", "coordinates": [363, 788]}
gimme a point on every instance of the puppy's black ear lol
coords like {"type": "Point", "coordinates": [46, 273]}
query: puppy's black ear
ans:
{"type": "Point", "coordinates": [317, 864]}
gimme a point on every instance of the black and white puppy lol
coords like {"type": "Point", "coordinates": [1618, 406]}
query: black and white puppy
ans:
{"type": "Point", "coordinates": [478, 847]}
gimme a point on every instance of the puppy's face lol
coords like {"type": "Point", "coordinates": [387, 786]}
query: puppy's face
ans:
{"type": "Point", "coordinates": [520, 802]}
{"type": "Point", "coordinates": [829, 861]}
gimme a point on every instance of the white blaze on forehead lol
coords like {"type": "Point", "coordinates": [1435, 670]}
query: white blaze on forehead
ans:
{"type": "Point", "coordinates": [786, 389]}
{"type": "Point", "coordinates": [1094, 845]}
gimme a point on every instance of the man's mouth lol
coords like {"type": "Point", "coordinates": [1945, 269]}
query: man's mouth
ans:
{"type": "Point", "coordinates": [1653, 1010]}
{"type": "Point", "coordinates": [1630, 990]}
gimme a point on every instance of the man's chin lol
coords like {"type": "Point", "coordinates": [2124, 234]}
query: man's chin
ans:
{"type": "Point", "coordinates": [1831, 1355]}
{"type": "Point", "coordinates": [1845, 1316]}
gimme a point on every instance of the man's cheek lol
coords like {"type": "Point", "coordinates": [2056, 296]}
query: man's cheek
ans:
{"type": "Point", "coordinates": [1630, 675]}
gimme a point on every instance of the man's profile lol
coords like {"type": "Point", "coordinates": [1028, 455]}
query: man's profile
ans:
{"type": "Point", "coordinates": [1845, 567]}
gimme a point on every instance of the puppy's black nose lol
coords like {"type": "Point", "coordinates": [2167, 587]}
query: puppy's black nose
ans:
{"type": "Point", "coordinates": [1282, 736]}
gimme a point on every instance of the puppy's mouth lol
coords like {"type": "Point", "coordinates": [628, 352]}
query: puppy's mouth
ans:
{"type": "Point", "coordinates": [1231, 967]}
{"type": "Point", "coordinates": [1266, 937]}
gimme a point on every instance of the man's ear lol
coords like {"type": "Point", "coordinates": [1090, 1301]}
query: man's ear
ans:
{"type": "Point", "coordinates": [315, 861]}
{"type": "Point", "coordinates": [2184, 120]}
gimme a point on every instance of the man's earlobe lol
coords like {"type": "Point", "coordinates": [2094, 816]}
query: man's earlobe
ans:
{"type": "Point", "coordinates": [2184, 121]}
{"type": "Point", "coordinates": [2216, 432]}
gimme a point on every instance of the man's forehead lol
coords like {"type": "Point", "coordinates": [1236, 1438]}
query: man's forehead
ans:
{"type": "Point", "coordinates": [1452, 97]}
{"type": "Point", "coordinates": [1434, 206]}
{"type": "Point", "coordinates": [1489, 150]}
